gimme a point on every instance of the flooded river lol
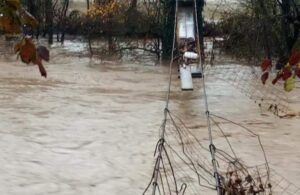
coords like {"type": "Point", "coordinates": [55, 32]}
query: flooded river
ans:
{"type": "Point", "coordinates": [91, 126]}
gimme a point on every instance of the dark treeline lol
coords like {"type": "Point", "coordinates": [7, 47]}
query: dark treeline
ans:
{"type": "Point", "coordinates": [261, 29]}
{"type": "Point", "coordinates": [102, 18]}
{"type": "Point", "coordinates": [109, 19]}
{"type": "Point", "coordinates": [257, 29]}
{"type": "Point", "coordinates": [51, 16]}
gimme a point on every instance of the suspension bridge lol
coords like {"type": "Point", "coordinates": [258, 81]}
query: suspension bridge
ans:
{"type": "Point", "coordinates": [186, 164]}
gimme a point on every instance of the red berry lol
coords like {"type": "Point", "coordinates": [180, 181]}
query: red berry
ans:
{"type": "Point", "coordinates": [264, 77]}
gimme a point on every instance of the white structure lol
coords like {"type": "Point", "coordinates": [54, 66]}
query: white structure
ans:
{"type": "Point", "coordinates": [191, 55]}
{"type": "Point", "coordinates": [186, 28]}
{"type": "Point", "coordinates": [186, 78]}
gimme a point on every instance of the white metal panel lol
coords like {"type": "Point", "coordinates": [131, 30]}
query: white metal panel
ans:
{"type": "Point", "coordinates": [186, 78]}
{"type": "Point", "coordinates": [186, 27]}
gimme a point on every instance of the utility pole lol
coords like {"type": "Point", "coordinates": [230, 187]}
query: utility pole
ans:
{"type": "Point", "coordinates": [49, 20]}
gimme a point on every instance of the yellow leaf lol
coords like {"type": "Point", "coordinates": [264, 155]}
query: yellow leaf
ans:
{"type": "Point", "coordinates": [289, 84]}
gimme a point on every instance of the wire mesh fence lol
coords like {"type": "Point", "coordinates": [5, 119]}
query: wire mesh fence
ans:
{"type": "Point", "coordinates": [183, 162]}
{"type": "Point", "coordinates": [268, 97]}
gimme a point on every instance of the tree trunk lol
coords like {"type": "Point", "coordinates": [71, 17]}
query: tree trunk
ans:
{"type": "Point", "coordinates": [89, 36]}
{"type": "Point", "coordinates": [133, 3]}
{"type": "Point", "coordinates": [87, 4]}
{"type": "Point", "coordinates": [290, 23]}
{"type": "Point", "coordinates": [285, 9]}
{"type": "Point", "coordinates": [49, 20]}
{"type": "Point", "coordinates": [32, 8]}
{"type": "Point", "coordinates": [63, 26]}
{"type": "Point", "coordinates": [110, 36]}
{"type": "Point", "coordinates": [38, 17]}
{"type": "Point", "coordinates": [266, 26]}
{"type": "Point", "coordinates": [168, 19]}
{"type": "Point", "coordinates": [200, 5]}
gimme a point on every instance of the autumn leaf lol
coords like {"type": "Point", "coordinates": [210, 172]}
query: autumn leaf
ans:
{"type": "Point", "coordinates": [264, 77]}
{"type": "Point", "coordinates": [104, 11]}
{"type": "Point", "coordinates": [28, 51]}
{"type": "Point", "coordinates": [289, 84]}
{"type": "Point", "coordinates": [5, 22]}
{"type": "Point", "coordinates": [286, 73]}
{"type": "Point", "coordinates": [294, 58]}
{"type": "Point", "coordinates": [9, 25]}
{"type": "Point", "coordinates": [277, 78]}
{"type": "Point", "coordinates": [12, 18]}
{"type": "Point", "coordinates": [267, 63]}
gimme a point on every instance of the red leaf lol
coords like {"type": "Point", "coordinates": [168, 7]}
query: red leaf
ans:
{"type": "Point", "coordinates": [264, 77]}
{"type": "Point", "coordinates": [266, 64]}
{"type": "Point", "coordinates": [294, 58]}
{"type": "Point", "coordinates": [28, 51]}
{"type": "Point", "coordinates": [286, 73]}
{"type": "Point", "coordinates": [277, 78]}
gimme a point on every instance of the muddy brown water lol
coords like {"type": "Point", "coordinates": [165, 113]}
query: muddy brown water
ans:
{"type": "Point", "coordinates": [92, 125]}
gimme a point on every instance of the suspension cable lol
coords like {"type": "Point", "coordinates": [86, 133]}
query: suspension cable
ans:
{"type": "Point", "coordinates": [166, 110]}
{"type": "Point", "coordinates": [172, 56]}
{"type": "Point", "coordinates": [211, 146]}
